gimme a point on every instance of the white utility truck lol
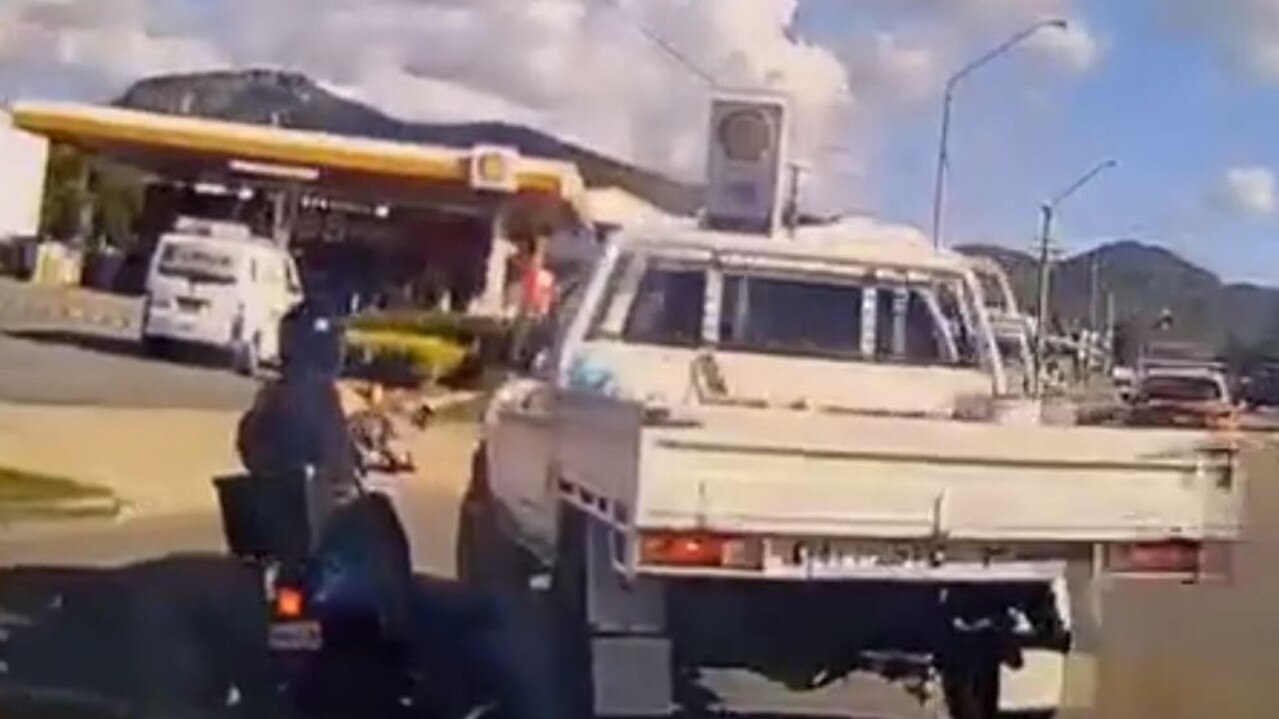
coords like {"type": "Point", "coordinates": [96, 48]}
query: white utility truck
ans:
{"type": "Point", "coordinates": [794, 456]}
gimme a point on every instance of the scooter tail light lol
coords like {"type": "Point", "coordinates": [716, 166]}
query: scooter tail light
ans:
{"type": "Point", "coordinates": [288, 602]}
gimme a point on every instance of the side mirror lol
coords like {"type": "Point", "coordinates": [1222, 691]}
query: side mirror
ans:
{"type": "Point", "coordinates": [530, 359]}
{"type": "Point", "coordinates": [540, 363]}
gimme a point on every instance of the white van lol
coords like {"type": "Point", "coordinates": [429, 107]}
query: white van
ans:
{"type": "Point", "coordinates": [215, 285]}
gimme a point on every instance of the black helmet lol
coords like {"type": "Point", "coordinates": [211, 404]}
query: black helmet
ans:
{"type": "Point", "coordinates": [311, 338]}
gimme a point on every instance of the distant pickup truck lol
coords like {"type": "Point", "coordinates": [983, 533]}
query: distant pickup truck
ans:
{"type": "Point", "coordinates": [801, 457]}
{"type": "Point", "coordinates": [1193, 398]}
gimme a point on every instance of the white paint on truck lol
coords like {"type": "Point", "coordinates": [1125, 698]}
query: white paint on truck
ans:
{"type": "Point", "coordinates": [790, 456]}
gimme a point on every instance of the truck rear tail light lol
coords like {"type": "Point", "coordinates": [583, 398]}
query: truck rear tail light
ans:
{"type": "Point", "coordinates": [1171, 559]}
{"type": "Point", "coordinates": [700, 549]}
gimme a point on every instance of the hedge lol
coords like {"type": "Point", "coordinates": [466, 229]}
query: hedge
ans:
{"type": "Point", "coordinates": [489, 340]}
{"type": "Point", "coordinates": [463, 329]}
{"type": "Point", "coordinates": [403, 358]}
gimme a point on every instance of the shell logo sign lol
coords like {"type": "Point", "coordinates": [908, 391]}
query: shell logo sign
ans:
{"type": "Point", "coordinates": [746, 135]}
{"type": "Point", "coordinates": [494, 168]}
{"type": "Point", "coordinates": [744, 165]}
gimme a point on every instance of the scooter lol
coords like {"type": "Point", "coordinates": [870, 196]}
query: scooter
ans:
{"type": "Point", "coordinates": [337, 605]}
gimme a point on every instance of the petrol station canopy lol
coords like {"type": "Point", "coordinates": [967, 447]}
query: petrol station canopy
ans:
{"type": "Point", "coordinates": [202, 150]}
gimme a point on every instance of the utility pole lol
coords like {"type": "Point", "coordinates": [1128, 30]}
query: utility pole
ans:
{"type": "Point", "coordinates": [1110, 330]}
{"type": "Point", "coordinates": [1041, 310]}
{"type": "Point", "coordinates": [1094, 290]}
{"type": "Point", "coordinates": [1045, 270]}
{"type": "Point", "coordinates": [1094, 309]}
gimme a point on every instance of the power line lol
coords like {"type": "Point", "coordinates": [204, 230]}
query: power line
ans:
{"type": "Point", "coordinates": [661, 43]}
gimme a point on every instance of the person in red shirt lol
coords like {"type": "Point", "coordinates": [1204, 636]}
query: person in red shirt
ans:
{"type": "Point", "coordinates": [531, 295]}
{"type": "Point", "coordinates": [536, 281]}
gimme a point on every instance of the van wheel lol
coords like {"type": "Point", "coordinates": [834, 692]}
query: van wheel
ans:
{"type": "Point", "coordinates": [156, 347]}
{"type": "Point", "coordinates": [484, 556]}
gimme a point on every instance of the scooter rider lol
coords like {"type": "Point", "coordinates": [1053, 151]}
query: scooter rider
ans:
{"type": "Point", "coordinates": [297, 424]}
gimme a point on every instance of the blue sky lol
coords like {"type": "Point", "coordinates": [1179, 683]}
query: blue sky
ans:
{"type": "Point", "coordinates": [1183, 93]}
{"type": "Point", "coordinates": [1163, 104]}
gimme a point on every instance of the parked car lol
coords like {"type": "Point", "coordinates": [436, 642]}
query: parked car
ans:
{"type": "Point", "coordinates": [1183, 398]}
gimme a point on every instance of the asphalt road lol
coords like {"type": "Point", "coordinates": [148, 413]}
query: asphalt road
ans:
{"type": "Point", "coordinates": [1167, 651]}
{"type": "Point", "coordinates": [68, 345]}
{"type": "Point", "coordinates": [160, 592]}
{"type": "Point", "coordinates": [65, 363]}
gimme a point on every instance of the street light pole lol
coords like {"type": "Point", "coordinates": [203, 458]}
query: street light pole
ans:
{"type": "Point", "coordinates": [1047, 212]}
{"type": "Point", "coordinates": [1041, 309]}
{"type": "Point", "coordinates": [943, 157]}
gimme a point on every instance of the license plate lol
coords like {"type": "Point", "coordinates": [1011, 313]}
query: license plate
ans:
{"type": "Point", "coordinates": [303, 636]}
{"type": "Point", "coordinates": [823, 555]}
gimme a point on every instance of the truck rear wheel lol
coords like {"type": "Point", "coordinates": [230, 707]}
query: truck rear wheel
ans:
{"type": "Point", "coordinates": [485, 557]}
{"type": "Point", "coordinates": [970, 682]}
{"type": "Point", "coordinates": [572, 635]}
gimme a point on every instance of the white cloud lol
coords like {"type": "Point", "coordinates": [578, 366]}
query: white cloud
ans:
{"type": "Point", "coordinates": [1246, 190]}
{"type": "Point", "coordinates": [580, 68]}
{"type": "Point", "coordinates": [1246, 31]}
{"type": "Point", "coordinates": [912, 47]}
{"type": "Point", "coordinates": [1073, 48]}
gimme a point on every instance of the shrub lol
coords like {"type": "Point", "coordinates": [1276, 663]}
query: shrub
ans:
{"type": "Point", "coordinates": [402, 358]}
{"type": "Point", "coordinates": [489, 337]}
{"type": "Point", "coordinates": [462, 329]}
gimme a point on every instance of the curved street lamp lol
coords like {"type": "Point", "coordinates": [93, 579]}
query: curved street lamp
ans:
{"type": "Point", "coordinates": [939, 191]}
{"type": "Point", "coordinates": [1047, 212]}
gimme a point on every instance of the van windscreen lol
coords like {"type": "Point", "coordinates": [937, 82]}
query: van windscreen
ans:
{"type": "Point", "coordinates": [198, 262]}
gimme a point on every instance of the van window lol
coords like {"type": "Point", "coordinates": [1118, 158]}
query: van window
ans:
{"type": "Point", "coordinates": [197, 262]}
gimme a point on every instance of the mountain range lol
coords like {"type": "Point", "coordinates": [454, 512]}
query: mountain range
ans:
{"type": "Point", "coordinates": [292, 100]}
{"type": "Point", "coordinates": [1235, 320]}
{"type": "Point", "coordinates": [1143, 279]}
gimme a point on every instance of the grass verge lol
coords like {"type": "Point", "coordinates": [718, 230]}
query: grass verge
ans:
{"type": "Point", "coordinates": [31, 496]}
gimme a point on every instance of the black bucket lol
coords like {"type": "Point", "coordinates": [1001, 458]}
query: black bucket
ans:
{"type": "Point", "coordinates": [265, 517]}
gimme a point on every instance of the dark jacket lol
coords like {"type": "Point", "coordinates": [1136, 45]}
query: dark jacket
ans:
{"type": "Point", "coordinates": [297, 422]}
